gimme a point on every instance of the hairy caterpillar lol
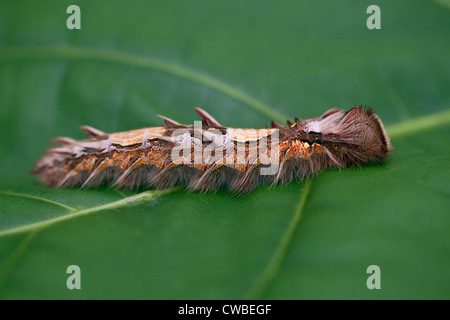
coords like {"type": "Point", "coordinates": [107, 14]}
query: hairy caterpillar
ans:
{"type": "Point", "coordinates": [208, 156]}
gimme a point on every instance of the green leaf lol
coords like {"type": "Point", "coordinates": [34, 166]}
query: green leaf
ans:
{"type": "Point", "coordinates": [246, 63]}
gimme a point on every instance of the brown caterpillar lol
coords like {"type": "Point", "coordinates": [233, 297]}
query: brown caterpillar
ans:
{"type": "Point", "coordinates": [208, 156]}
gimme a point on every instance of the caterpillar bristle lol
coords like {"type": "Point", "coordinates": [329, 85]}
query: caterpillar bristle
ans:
{"type": "Point", "coordinates": [207, 119]}
{"type": "Point", "coordinates": [169, 122]}
{"type": "Point", "coordinates": [92, 132]}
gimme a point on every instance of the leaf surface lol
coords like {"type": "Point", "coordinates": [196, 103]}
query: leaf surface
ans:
{"type": "Point", "coordinates": [246, 63]}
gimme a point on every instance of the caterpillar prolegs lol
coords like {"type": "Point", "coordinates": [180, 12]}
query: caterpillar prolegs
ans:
{"type": "Point", "coordinates": [208, 156]}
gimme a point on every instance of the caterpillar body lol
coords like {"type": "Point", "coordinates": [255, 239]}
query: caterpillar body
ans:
{"type": "Point", "coordinates": [207, 156]}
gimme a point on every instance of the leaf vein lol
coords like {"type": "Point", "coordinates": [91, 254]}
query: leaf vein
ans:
{"type": "Point", "coordinates": [147, 195]}
{"type": "Point", "coordinates": [273, 266]}
{"type": "Point", "coordinates": [13, 259]}
{"type": "Point", "coordinates": [145, 62]}
{"type": "Point", "coordinates": [418, 124]}
{"type": "Point", "coordinates": [24, 195]}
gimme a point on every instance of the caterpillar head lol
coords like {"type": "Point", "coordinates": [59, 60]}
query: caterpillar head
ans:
{"type": "Point", "coordinates": [355, 137]}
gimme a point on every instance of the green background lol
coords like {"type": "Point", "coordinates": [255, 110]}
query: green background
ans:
{"type": "Point", "coordinates": [245, 62]}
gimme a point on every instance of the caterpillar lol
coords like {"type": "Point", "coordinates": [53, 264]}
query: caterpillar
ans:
{"type": "Point", "coordinates": [208, 156]}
